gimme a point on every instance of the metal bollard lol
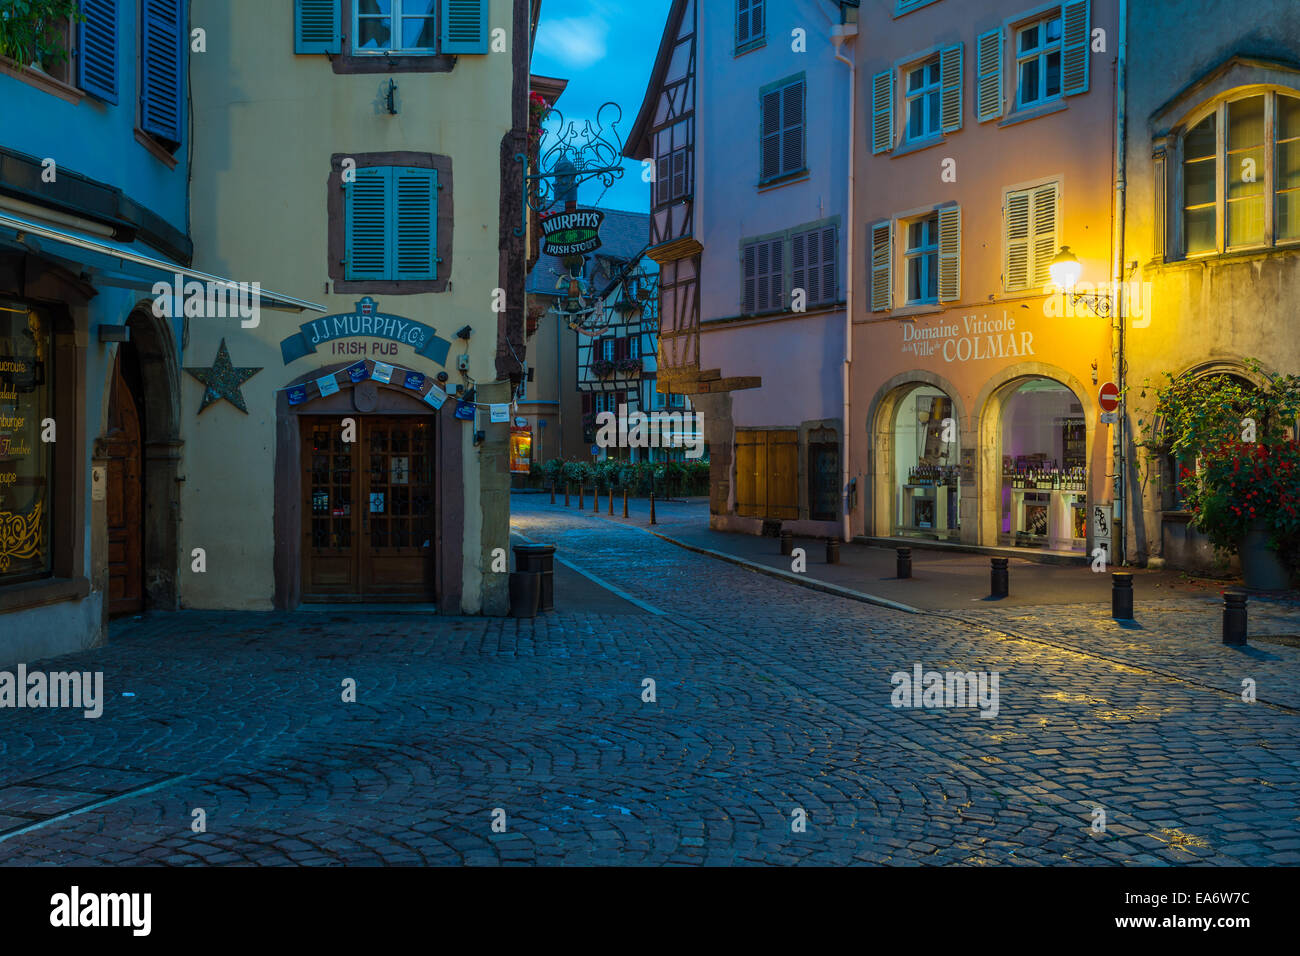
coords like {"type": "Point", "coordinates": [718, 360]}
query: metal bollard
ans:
{"type": "Point", "coordinates": [652, 508]}
{"type": "Point", "coordinates": [999, 578]}
{"type": "Point", "coordinates": [1121, 595]}
{"type": "Point", "coordinates": [625, 501]}
{"type": "Point", "coordinates": [611, 502]}
{"type": "Point", "coordinates": [787, 542]}
{"type": "Point", "coordinates": [566, 494]}
{"type": "Point", "coordinates": [832, 551]}
{"type": "Point", "coordinates": [552, 492]}
{"type": "Point", "coordinates": [1234, 618]}
{"type": "Point", "coordinates": [904, 562]}
{"type": "Point", "coordinates": [595, 498]}
{"type": "Point", "coordinates": [580, 504]}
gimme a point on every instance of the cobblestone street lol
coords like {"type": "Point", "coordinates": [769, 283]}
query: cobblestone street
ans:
{"type": "Point", "coordinates": [770, 698]}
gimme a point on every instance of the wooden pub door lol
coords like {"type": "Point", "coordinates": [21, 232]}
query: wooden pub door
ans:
{"type": "Point", "coordinates": [368, 509]}
{"type": "Point", "coordinates": [123, 496]}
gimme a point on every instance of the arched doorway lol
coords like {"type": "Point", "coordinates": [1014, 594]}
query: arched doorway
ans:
{"type": "Point", "coordinates": [1043, 442]}
{"type": "Point", "coordinates": [123, 452]}
{"type": "Point", "coordinates": [925, 475]}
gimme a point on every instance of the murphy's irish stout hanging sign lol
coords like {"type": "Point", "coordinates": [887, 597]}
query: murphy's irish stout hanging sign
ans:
{"type": "Point", "coordinates": [366, 321]}
{"type": "Point", "coordinates": [572, 233]}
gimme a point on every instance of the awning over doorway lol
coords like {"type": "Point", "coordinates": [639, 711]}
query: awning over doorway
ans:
{"type": "Point", "coordinates": [112, 263]}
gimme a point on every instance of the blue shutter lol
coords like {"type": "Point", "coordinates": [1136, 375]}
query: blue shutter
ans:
{"type": "Point", "coordinates": [464, 26]}
{"type": "Point", "coordinates": [415, 223]}
{"type": "Point", "coordinates": [366, 226]}
{"type": "Point", "coordinates": [317, 26]}
{"type": "Point", "coordinates": [97, 49]}
{"type": "Point", "coordinates": [162, 72]}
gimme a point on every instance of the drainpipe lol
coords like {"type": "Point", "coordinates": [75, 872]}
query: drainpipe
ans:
{"type": "Point", "coordinates": [1122, 514]}
{"type": "Point", "coordinates": [841, 32]}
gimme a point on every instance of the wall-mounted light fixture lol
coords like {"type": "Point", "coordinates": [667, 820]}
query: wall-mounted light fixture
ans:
{"type": "Point", "coordinates": [390, 97]}
{"type": "Point", "coordinates": [1065, 270]}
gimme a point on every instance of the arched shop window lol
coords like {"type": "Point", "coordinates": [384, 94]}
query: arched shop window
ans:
{"type": "Point", "coordinates": [1044, 468]}
{"type": "Point", "coordinates": [926, 472]}
{"type": "Point", "coordinates": [26, 462]}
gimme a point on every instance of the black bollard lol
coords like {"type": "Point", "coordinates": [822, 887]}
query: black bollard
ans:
{"type": "Point", "coordinates": [625, 501]}
{"type": "Point", "coordinates": [581, 506]}
{"type": "Point", "coordinates": [1121, 595]}
{"type": "Point", "coordinates": [552, 492]}
{"type": "Point", "coordinates": [999, 578]}
{"type": "Point", "coordinates": [787, 542]}
{"type": "Point", "coordinates": [832, 551]}
{"type": "Point", "coordinates": [652, 508]}
{"type": "Point", "coordinates": [1234, 618]}
{"type": "Point", "coordinates": [904, 562]}
{"type": "Point", "coordinates": [610, 492]}
{"type": "Point", "coordinates": [566, 494]}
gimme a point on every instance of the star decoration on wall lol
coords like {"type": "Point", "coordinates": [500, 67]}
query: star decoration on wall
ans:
{"type": "Point", "coordinates": [223, 380]}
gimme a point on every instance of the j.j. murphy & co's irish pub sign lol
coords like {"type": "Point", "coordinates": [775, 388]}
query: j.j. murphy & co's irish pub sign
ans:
{"type": "Point", "coordinates": [571, 233]}
{"type": "Point", "coordinates": [369, 322]}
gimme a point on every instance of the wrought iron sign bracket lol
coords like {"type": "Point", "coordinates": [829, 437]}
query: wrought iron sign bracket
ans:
{"type": "Point", "coordinates": [580, 151]}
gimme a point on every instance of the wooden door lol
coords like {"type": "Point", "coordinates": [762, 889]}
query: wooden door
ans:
{"type": "Point", "coordinates": [122, 499]}
{"type": "Point", "coordinates": [767, 473]}
{"type": "Point", "coordinates": [368, 509]}
{"type": "Point", "coordinates": [397, 528]}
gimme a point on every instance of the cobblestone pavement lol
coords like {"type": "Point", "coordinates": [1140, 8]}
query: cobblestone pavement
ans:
{"type": "Point", "coordinates": [770, 698]}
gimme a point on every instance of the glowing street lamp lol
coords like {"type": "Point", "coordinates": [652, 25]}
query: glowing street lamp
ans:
{"type": "Point", "coordinates": [1065, 269]}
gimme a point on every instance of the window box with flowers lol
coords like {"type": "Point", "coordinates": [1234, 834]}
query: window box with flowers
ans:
{"type": "Point", "coordinates": [628, 366]}
{"type": "Point", "coordinates": [602, 368]}
{"type": "Point", "coordinates": [1244, 489]}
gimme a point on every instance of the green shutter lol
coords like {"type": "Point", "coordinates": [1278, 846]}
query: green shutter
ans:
{"type": "Point", "coordinates": [415, 223]}
{"type": "Point", "coordinates": [366, 224]}
{"type": "Point", "coordinates": [950, 83]}
{"type": "Point", "coordinates": [882, 112]}
{"type": "Point", "coordinates": [464, 26]}
{"type": "Point", "coordinates": [1075, 44]}
{"type": "Point", "coordinates": [949, 254]}
{"type": "Point", "coordinates": [882, 266]}
{"type": "Point", "coordinates": [988, 75]}
{"type": "Point", "coordinates": [317, 26]}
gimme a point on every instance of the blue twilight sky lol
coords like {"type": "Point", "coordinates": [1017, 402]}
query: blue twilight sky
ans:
{"type": "Point", "coordinates": [605, 49]}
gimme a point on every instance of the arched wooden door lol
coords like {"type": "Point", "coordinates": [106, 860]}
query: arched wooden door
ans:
{"type": "Point", "coordinates": [124, 493]}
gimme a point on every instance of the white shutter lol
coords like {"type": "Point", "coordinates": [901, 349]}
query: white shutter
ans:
{"type": "Point", "coordinates": [770, 161]}
{"type": "Point", "coordinates": [829, 287]}
{"type": "Point", "coordinates": [749, 281]}
{"type": "Point", "coordinates": [950, 85]}
{"type": "Point", "coordinates": [1044, 225]}
{"type": "Point", "coordinates": [882, 266]}
{"type": "Point", "coordinates": [1017, 241]}
{"type": "Point", "coordinates": [988, 75]}
{"type": "Point", "coordinates": [799, 271]}
{"type": "Point", "coordinates": [1075, 47]}
{"type": "Point", "coordinates": [949, 254]}
{"type": "Point", "coordinates": [882, 112]}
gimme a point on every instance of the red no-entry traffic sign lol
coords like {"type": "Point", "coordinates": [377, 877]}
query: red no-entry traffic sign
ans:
{"type": "Point", "coordinates": [1109, 397]}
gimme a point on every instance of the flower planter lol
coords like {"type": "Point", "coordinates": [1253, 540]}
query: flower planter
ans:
{"type": "Point", "coordinates": [1261, 567]}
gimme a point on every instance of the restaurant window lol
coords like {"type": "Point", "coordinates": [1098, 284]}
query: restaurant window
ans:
{"type": "Point", "coordinates": [26, 462]}
{"type": "Point", "coordinates": [926, 475]}
{"type": "Point", "coordinates": [1044, 468]}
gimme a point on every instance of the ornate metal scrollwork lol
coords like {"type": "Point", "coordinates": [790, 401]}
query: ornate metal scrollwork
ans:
{"type": "Point", "coordinates": [578, 151]}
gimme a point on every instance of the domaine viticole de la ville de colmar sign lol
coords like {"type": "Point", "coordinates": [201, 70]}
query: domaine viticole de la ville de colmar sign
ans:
{"type": "Point", "coordinates": [366, 321]}
{"type": "Point", "coordinates": [572, 233]}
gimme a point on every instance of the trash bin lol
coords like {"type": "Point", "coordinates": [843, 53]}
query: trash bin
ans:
{"type": "Point", "coordinates": [524, 588]}
{"type": "Point", "coordinates": [539, 559]}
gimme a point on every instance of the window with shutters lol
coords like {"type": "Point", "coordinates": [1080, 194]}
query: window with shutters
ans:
{"type": "Point", "coordinates": [1038, 62]}
{"type": "Point", "coordinates": [1239, 167]}
{"type": "Point", "coordinates": [922, 93]}
{"type": "Point", "coordinates": [813, 258]}
{"type": "Point", "coordinates": [922, 258]}
{"type": "Point", "coordinates": [1030, 237]}
{"type": "Point", "coordinates": [382, 27]}
{"type": "Point", "coordinates": [673, 167]}
{"type": "Point", "coordinates": [162, 71]}
{"type": "Point", "coordinates": [907, 6]}
{"type": "Point", "coordinates": [751, 26]}
{"type": "Point", "coordinates": [386, 231]}
{"type": "Point", "coordinates": [763, 275]}
{"type": "Point", "coordinates": [781, 139]}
